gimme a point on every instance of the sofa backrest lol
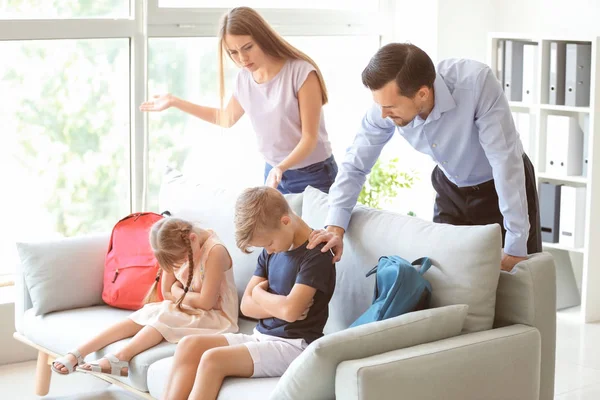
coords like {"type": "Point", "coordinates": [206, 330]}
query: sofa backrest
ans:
{"type": "Point", "coordinates": [213, 208]}
{"type": "Point", "coordinates": [466, 260]}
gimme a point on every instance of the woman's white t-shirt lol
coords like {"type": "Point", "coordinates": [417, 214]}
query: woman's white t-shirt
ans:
{"type": "Point", "coordinates": [274, 112]}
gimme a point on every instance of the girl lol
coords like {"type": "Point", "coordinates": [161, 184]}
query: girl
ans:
{"type": "Point", "coordinates": [283, 92]}
{"type": "Point", "coordinates": [200, 297]}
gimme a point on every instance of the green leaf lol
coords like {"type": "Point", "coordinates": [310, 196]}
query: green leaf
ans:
{"type": "Point", "coordinates": [383, 182]}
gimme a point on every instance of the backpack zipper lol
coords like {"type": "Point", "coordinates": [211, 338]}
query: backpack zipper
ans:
{"type": "Point", "coordinates": [116, 274]}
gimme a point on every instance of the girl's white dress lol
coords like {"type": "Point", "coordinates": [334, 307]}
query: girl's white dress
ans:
{"type": "Point", "coordinates": [173, 324]}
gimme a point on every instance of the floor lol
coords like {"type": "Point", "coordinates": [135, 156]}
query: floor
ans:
{"type": "Point", "coordinates": [17, 383]}
{"type": "Point", "coordinates": [577, 359]}
{"type": "Point", "coordinates": [577, 371]}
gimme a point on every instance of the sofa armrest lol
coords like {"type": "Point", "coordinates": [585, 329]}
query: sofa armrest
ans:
{"type": "Point", "coordinates": [527, 296]}
{"type": "Point", "coordinates": [61, 274]}
{"type": "Point", "coordinates": [496, 364]}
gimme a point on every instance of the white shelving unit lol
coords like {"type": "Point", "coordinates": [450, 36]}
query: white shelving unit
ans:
{"type": "Point", "coordinates": [538, 111]}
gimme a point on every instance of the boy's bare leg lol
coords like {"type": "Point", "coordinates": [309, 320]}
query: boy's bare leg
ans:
{"type": "Point", "coordinates": [215, 365]}
{"type": "Point", "coordinates": [186, 364]}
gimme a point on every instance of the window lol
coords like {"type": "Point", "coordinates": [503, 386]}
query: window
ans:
{"type": "Point", "coordinates": [74, 143]}
{"type": "Point", "coordinates": [341, 60]}
{"type": "Point", "coordinates": [306, 4]}
{"type": "Point", "coordinates": [58, 9]}
{"type": "Point", "coordinates": [187, 67]}
{"type": "Point", "coordinates": [65, 117]}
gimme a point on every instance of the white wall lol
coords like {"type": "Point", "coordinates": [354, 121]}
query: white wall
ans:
{"type": "Point", "coordinates": [12, 351]}
{"type": "Point", "coordinates": [463, 25]}
{"type": "Point", "coordinates": [460, 29]}
{"type": "Point", "coordinates": [554, 17]}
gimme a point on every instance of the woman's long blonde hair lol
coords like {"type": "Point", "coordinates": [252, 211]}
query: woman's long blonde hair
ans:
{"type": "Point", "coordinates": [170, 242]}
{"type": "Point", "coordinates": [245, 21]}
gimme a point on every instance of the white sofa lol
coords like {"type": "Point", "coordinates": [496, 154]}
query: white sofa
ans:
{"type": "Point", "coordinates": [496, 342]}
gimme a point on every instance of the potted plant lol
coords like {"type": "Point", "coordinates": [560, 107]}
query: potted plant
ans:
{"type": "Point", "coordinates": [383, 183]}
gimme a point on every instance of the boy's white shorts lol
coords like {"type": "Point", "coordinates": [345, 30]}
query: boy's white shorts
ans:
{"type": "Point", "coordinates": [271, 355]}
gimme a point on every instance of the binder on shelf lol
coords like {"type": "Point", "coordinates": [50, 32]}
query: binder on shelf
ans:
{"type": "Point", "coordinates": [572, 216]}
{"type": "Point", "coordinates": [556, 85]}
{"type": "Point", "coordinates": [530, 65]}
{"type": "Point", "coordinates": [523, 125]}
{"type": "Point", "coordinates": [549, 195]}
{"type": "Point", "coordinates": [500, 61]}
{"type": "Point", "coordinates": [564, 146]}
{"type": "Point", "coordinates": [586, 151]}
{"type": "Point", "coordinates": [577, 74]}
{"type": "Point", "coordinates": [513, 70]}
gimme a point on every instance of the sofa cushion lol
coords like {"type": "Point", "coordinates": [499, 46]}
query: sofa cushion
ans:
{"type": "Point", "coordinates": [53, 282]}
{"type": "Point", "coordinates": [213, 208]}
{"type": "Point", "coordinates": [466, 260]}
{"type": "Point", "coordinates": [232, 389]}
{"type": "Point", "coordinates": [312, 374]}
{"type": "Point", "coordinates": [63, 331]}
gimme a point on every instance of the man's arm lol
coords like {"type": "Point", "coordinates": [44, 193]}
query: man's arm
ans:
{"type": "Point", "coordinates": [360, 157]}
{"type": "Point", "coordinates": [288, 308]}
{"type": "Point", "coordinates": [499, 139]}
{"type": "Point", "coordinates": [249, 307]}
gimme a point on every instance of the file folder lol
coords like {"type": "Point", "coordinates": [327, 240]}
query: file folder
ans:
{"type": "Point", "coordinates": [572, 216]}
{"type": "Point", "coordinates": [523, 126]}
{"type": "Point", "coordinates": [513, 70]}
{"type": "Point", "coordinates": [500, 61]}
{"type": "Point", "coordinates": [577, 74]}
{"type": "Point", "coordinates": [557, 73]}
{"type": "Point", "coordinates": [530, 66]}
{"type": "Point", "coordinates": [586, 138]}
{"type": "Point", "coordinates": [564, 146]}
{"type": "Point", "coordinates": [549, 211]}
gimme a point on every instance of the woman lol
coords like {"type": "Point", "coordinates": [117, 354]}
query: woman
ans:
{"type": "Point", "coordinates": [283, 92]}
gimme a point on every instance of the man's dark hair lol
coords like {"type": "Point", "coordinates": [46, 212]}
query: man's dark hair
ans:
{"type": "Point", "coordinates": [407, 64]}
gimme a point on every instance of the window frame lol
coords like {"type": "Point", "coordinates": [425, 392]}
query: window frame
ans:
{"type": "Point", "coordinates": [147, 20]}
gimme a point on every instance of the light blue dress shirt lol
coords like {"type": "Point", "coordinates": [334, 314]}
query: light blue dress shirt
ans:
{"type": "Point", "coordinates": [469, 133]}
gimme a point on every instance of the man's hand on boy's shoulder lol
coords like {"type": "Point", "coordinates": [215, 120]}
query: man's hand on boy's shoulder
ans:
{"type": "Point", "coordinates": [333, 239]}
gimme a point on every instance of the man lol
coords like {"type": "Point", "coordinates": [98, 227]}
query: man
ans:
{"type": "Point", "coordinates": [461, 118]}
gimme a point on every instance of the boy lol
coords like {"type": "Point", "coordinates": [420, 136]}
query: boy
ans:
{"type": "Point", "coordinates": [289, 295]}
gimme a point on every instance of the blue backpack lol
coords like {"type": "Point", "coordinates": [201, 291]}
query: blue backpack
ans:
{"type": "Point", "coordinates": [399, 289]}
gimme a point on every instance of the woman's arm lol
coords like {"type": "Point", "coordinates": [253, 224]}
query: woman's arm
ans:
{"type": "Point", "coordinates": [310, 103]}
{"type": "Point", "coordinates": [232, 113]}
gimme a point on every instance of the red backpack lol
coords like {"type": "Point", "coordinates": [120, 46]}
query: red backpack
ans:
{"type": "Point", "coordinates": [130, 267]}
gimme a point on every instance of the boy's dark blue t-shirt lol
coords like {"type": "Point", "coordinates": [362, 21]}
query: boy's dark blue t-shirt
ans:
{"type": "Point", "coordinates": [308, 267]}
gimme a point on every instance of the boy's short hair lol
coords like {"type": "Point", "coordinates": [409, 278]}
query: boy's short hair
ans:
{"type": "Point", "coordinates": [257, 208]}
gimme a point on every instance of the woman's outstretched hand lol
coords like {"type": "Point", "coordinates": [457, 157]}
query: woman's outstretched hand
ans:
{"type": "Point", "coordinates": [160, 102]}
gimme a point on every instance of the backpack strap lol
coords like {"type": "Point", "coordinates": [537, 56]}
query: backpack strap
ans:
{"type": "Point", "coordinates": [424, 262]}
{"type": "Point", "coordinates": [371, 272]}
{"type": "Point", "coordinates": [374, 269]}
